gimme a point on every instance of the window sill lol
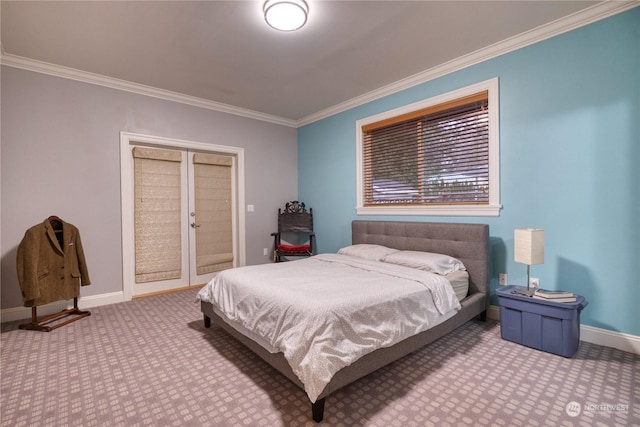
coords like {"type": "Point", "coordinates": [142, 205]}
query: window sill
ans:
{"type": "Point", "coordinates": [468, 210]}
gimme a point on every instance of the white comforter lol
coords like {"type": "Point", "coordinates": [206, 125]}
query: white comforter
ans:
{"type": "Point", "coordinates": [325, 312]}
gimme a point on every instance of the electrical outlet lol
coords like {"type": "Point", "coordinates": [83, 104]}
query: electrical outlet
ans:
{"type": "Point", "coordinates": [503, 279]}
{"type": "Point", "coordinates": [534, 282]}
{"type": "Point", "coordinates": [265, 252]}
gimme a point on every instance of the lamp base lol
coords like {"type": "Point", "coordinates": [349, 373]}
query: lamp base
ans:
{"type": "Point", "coordinates": [529, 291]}
{"type": "Point", "coordinates": [526, 292]}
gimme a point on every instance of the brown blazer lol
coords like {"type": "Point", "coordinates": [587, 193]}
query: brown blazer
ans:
{"type": "Point", "coordinates": [46, 271]}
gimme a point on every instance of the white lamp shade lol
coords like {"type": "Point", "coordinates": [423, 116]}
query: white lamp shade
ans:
{"type": "Point", "coordinates": [286, 15]}
{"type": "Point", "coordinates": [529, 245]}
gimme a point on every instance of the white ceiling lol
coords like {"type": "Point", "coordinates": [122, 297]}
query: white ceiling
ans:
{"type": "Point", "coordinates": [223, 51]}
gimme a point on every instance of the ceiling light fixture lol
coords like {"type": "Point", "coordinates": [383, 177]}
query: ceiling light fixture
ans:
{"type": "Point", "coordinates": [286, 15]}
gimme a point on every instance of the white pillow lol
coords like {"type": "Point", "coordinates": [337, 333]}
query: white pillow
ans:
{"type": "Point", "coordinates": [367, 251]}
{"type": "Point", "coordinates": [436, 263]}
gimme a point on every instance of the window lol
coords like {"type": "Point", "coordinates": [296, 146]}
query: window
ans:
{"type": "Point", "coordinates": [435, 157]}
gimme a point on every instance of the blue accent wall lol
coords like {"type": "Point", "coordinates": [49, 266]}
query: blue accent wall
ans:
{"type": "Point", "coordinates": [570, 164]}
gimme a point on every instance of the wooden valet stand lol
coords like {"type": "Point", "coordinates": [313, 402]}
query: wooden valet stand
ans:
{"type": "Point", "coordinates": [41, 324]}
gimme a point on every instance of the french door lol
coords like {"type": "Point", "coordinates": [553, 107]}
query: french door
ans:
{"type": "Point", "coordinates": [210, 215]}
{"type": "Point", "coordinates": [184, 214]}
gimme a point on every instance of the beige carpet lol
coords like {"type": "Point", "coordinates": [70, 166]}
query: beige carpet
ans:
{"type": "Point", "coordinates": [151, 362]}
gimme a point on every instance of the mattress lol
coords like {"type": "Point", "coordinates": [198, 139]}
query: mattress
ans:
{"type": "Point", "coordinates": [460, 283]}
{"type": "Point", "coordinates": [325, 312]}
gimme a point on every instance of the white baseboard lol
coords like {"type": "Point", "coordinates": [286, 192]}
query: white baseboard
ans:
{"type": "Point", "coordinates": [493, 312]}
{"type": "Point", "coordinates": [619, 340]}
{"type": "Point", "coordinates": [605, 337]}
{"type": "Point", "coordinates": [24, 313]}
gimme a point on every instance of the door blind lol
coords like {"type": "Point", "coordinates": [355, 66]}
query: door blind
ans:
{"type": "Point", "coordinates": [157, 214]}
{"type": "Point", "coordinates": [213, 215]}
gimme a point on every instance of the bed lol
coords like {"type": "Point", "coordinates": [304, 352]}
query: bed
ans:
{"type": "Point", "coordinates": [468, 243]}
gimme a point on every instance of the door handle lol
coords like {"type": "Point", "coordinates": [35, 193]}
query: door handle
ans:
{"type": "Point", "coordinates": [194, 225]}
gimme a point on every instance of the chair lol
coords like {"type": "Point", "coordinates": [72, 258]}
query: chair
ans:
{"type": "Point", "coordinates": [295, 232]}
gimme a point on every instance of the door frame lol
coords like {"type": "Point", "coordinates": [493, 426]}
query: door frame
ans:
{"type": "Point", "coordinates": [127, 140]}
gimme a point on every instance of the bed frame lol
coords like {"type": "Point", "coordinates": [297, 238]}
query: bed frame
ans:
{"type": "Point", "coordinates": [467, 242]}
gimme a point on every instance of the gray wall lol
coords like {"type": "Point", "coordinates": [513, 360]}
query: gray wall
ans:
{"type": "Point", "coordinates": [60, 156]}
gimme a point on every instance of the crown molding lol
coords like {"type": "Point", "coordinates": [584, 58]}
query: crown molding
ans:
{"type": "Point", "coordinates": [579, 19]}
{"type": "Point", "coordinates": [113, 83]}
{"type": "Point", "coordinates": [571, 22]}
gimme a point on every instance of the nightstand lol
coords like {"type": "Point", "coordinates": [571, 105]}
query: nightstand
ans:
{"type": "Point", "coordinates": [549, 326]}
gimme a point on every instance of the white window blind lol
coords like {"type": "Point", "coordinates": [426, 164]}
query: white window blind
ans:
{"type": "Point", "coordinates": [434, 155]}
{"type": "Point", "coordinates": [214, 236]}
{"type": "Point", "coordinates": [157, 214]}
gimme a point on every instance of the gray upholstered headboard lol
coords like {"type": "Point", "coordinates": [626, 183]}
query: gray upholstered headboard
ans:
{"type": "Point", "coordinates": [467, 242]}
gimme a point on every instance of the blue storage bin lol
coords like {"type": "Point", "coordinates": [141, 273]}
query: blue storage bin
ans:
{"type": "Point", "coordinates": [549, 326]}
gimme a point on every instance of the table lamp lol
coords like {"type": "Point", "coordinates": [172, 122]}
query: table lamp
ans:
{"type": "Point", "coordinates": [528, 249]}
